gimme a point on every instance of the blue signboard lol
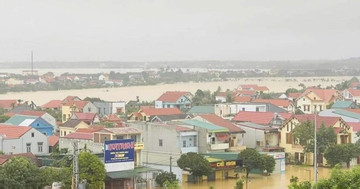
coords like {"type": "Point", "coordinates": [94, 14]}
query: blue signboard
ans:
{"type": "Point", "coordinates": [119, 151]}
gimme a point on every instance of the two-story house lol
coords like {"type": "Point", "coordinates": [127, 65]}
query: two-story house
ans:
{"type": "Point", "coordinates": [15, 140]}
{"type": "Point", "coordinates": [315, 99]}
{"type": "Point", "coordinates": [291, 145]}
{"type": "Point", "coordinates": [262, 118]}
{"type": "Point", "coordinates": [352, 94]}
{"type": "Point", "coordinates": [70, 107]}
{"type": "Point", "coordinates": [71, 126]}
{"type": "Point", "coordinates": [174, 99]}
{"type": "Point", "coordinates": [145, 113]}
{"type": "Point", "coordinates": [89, 118]}
{"type": "Point", "coordinates": [108, 107]}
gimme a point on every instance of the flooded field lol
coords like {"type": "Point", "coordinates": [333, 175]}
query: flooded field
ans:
{"type": "Point", "coordinates": [275, 181]}
{"type": "Point", "coordinates": [149, 93]}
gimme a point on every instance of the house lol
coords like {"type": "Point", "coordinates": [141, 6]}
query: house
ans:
{"type": "Point", "coordinates": [230, 109]}
{"type": "Point", "coordinates": [53, 143]}
{"type": "Point", "coordinates": [316, 99]}
{"type": "Point", "coordinates": [256, 88]}
{"type": "Point", "coordinates": [344, 105]}
{"type": "Point", "coordinates": [8, 104]}
{"type": "Point", "coordinates": [33, 121]}
{"type": "Point", "coordinates": [54, 105]}
{"type": "Point", "coordinates": [352, 94]}
{"type": "Point", "coordinates": [108, 107]}
{"type": "Point", "coordinates": [221, 96]}
{"type": "Point", "coordinates": [166, 118]}
{"type": "Point", "coordinates": [293, 96]}
{"type": "Point", "coordinates": [16, 140]}
{"type": "Point", "coordinates": [145, 113]}
{"type": "Point", "coordinates": [347, 115]}
{"type": "Point", "coordinates": [291, 144]}
{"type": "Point", "coordinates": [112, 118]}
{"type": "Point", "coordinates": [103, 77]}
{"type": "Point", "coordinates": [30, 156]}
{"type": "Point", "coordinates": [263, 138]}
{"type": "Point", "coordinates": [262, 118]}
{"type": "Point", "coordinates": [71, 126]}
{"type": "Point", "coordinates": [174, 99]}
{"type": "Point", "coordinates": [89, 118]}
{"type": "Point", "coordinates": [195, 110]}
{"type": "Point", "coordinates": [46, 116]}
{"type": "Point", "coordinates": [235, 135]}
{"type": "Point", "coordinates": [69, 107]}
{"type": "Point", "coordinates": [164, 141]}
{"type": "Point", "coordinates": [282, 103]}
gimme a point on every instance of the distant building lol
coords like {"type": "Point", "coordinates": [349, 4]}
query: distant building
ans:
{"type": "Point", "coordinates": [108, 108]}
{"type": "Point", "coordinates": [174, 99]}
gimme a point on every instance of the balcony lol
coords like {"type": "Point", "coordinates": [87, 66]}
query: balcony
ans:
{"type": "Point", "coordinates": [139, 145]}
{"type": "Point", "coordinates": [185, 150]}
{"type": "Point", "coordinates": [221, 146]}
{"type": "Point", "coordinates": [237, 148]}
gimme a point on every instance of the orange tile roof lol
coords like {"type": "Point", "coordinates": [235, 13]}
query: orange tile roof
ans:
{"type": "Point", "coordinates": [8, 104]}
{"type": "Point", "coordinates": [326, 95]}
{"type": "Point", "coordinates": [13, 131]}
{"type": "Point", "coordinates": [79, 104]}
{"type": "Point", "coordinates": [216, 120]}
{"type": "Point", "coordinates": [353, 110]}
{"type": "Point", "coordinates": [53, 140]}
{"type": "Point", "coordinates": [242, 99]}
{"type": "Point", "coordinates": [53, 104]}
{"type": "Point", "coordinates": [33, 113]}
{"type": "Point", "coordinates": [277, 102]}
{"type": "Point", "coordinates": [294, 95]}
{"type": "Point", "coordinates": [85, 116]}
{"type": "Point", "coordinates": [354, 125]}
{"type": "Point", "coordinates": [222, 94]}
{"type": "Point", "coordinates": [89, 130]}
{"type": "Point", "coordinates": [172, 96]}
{"type": "Point", "coordinates": [244, 93]}
{"type": "Point", "coordinates": [262, 118]}
{"type": "Point", "coordinates": [354, 92]}
{"type": "Point", "coordinates": [77, 135]}
{"type": "Point", "coordinates": [161, 111]}
{"type": "Point", "coordinates": [327, 121]}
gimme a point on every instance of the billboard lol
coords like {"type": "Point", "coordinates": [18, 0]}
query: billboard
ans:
{"type": "Point", "coordinates": [118, 151]}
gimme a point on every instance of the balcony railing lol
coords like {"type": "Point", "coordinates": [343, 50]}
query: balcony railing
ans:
{"type": "Point", "coordinates": [221, 146]}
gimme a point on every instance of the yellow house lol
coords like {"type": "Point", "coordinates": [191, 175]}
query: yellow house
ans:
{"type": "Point", "coordinates": [71, 126]}
{"type": "Point", "coordinates": [69, 107]}
{"type": "Point", "coordinates": [315, 99]}
{"type": "Point", "coordinates": [291, 145]}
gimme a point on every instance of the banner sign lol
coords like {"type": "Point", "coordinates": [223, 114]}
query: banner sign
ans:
{"type": "Point", "coordinates": [226, 164]}
{"type": "Point", "coordinates": [119, 151]}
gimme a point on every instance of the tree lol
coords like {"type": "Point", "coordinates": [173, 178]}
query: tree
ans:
{"type": "Point", "coordinates": [194, 163]}
{"type": "Point", "coordinates": [291, 90]}
{"type": "Point", "coordinates": [91, 169]}
{"type": "Point", "coordinates": [341, 179]}
{"type": "Point", "coordinates": [165, 176]}
{"type": "Point", "coordinates": [341, 153]}
{"type": "Point", "coordinates": [4, 118]}
{"type": "Point", "coordinates": [229, 97]}
{"type": "Point", "coordinates": [268, 163]}
{"type": "Point", "coordinates": [251, 159]}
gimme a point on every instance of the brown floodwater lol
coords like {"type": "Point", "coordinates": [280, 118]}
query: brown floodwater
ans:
{"type": "Point", "coordinates": [275, 181]}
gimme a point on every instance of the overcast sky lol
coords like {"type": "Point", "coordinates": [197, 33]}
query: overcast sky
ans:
{"type": "Point", "coordinates": [152, 30]}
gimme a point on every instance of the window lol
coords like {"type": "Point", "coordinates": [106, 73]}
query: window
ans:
{"type": "Point", "coordinates": [119, 137]}
{"type": "Point", "coordinates": [134, 137]}
{"type": "Point", "coordinates": [315, 107]}
{"type": "Point", "coordinates": [89, 109]}
{"type": "Point", "coordinates": [28, 147]}
{"type": "Point", "coordinates": [99, 110]}
{"type": "Point", "coordinates": [320, 107]}
{"type": "Point", "coordinates": [213, 140]}
{"type": "Point", "coordinates": [184, 143]}
{"type": "Point", "coordinates": [287, 127]}
{"type": "Point", "coordinates": [289, 139]}
{"type": "Point", "coordinates": [32, 134]}
{"type": "Point", "coordinates": [243, 109]}
{"type": "Point", "coordinates": [195, 141]}
{"type": "Point", "coordinates": [40, 146]}
{"type": "Point", "coordinates": [257, 109]}
{"type": "Point", "coordinates": [160, 142]}
{"type": "Point", "coordinates": [64, 133]}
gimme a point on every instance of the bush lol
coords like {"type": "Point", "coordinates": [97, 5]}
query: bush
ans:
{"type": "Point", "coordinates": [165, 176]}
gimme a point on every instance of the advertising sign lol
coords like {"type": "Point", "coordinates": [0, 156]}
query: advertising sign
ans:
{"type": "Point", "coordinates": [226, 164]}
{"type": "Point", "coordinates": [117, 151]}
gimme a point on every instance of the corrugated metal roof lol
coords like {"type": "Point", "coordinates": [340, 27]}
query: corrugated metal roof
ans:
{"type": "Point", "coordinates": [19, 119]}
{"type": "Point", "coordinates": [342, 104]}
{"type": "Point", "coordinates": [202, 110]}
{"type": "Point", "coordinates": [204, 125]}
{"type": "Point", "coordinates": [347, 113]}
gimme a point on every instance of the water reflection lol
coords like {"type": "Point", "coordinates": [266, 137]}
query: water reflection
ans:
{"type": "Point", "coordinates": [275, 181]}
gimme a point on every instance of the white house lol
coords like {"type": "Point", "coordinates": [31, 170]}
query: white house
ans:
{"type": "Point", "coordinates": [15, 140]}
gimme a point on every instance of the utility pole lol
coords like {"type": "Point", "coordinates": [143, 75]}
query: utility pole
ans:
{"type": "Point", "coordinates": [76, 165]}
{"type": "Point", "coordinates": [171, 164]}
{"type": "Point", "coordinates": [315, 152]}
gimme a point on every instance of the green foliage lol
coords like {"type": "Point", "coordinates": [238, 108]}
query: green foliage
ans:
{"type": "Point", "coordinates": [341, 153]}
{"type": "Point", "coordinates": [91, 169]}
{"type": "Point", "coordinates": [203, 98]}
{"type": "Point", "coordinates": [251, 159]}
{"type": "Point", "coordinates": [171, 185]}
{"type": "Point", "coordinates": [325, 138]}
{"type": "Point", "coordinates": [4, 118]}
{"type": "Point", "coordinates": [2, 111]}
{"type": "Point", "coordinates": [93, 99]}
{"type": "Point", "coordinates": [55, 114]}
{"type": "Point", "coordinates": [239, 184]}
{"type": "Point", "coordinates": [194, 163]}
{"type": "Point", "coordinates": [268, 163]}
{"type": "Point", "coordinates": [229, 97]}
{"type": "Point", "coordinates": [165, 176]}
{"type": "Point", "coordinates": [64, 161]}
{"type": "Point", "coordinates": [298, 112]}
{"type": "Point", "coordinates": [346, 84]}
{"type": "Point", "coordinates": [341, 179]}
{"type": "Point", "coordinates": [291, 90]}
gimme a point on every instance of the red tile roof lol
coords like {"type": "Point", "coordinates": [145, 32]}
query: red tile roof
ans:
{"type": "Point", "coordinates": [79, 104]}
{"type": "Point", "coordinates": [53, 140]}
{"type": "Point", "coordinates": [53, 104]}
{"type": "Point", "coordinates": [354, 125]}
{"type": "Point", "coordinates": [294, 95]}
{"type": "Point", "coordinates": [33, 113]}
{"type": "Point", "coordinates": [172, 96]}
{"type": "Point", "coordinates": [277, 102]}
{"type": "Point", "coordinates": [69, 99]}
{"type": "Point", "coordinates": [242, 99]}
{"type": "Point", "coordinates": [222, 94]}
{"type": "Point", "coordinates": [327, 121]}
{"type": "Point", "coordinates": [8, 104]}
{"type": "Point", "coordinates": [89, 130]}
{"type": "Point", "coordinates": [13, 131]}
{"type": "Point", "coordinates": [244, 93]}
{"type": "Point", "coordinates": [354, 92]}
{"type": "Point", "coordinates": [77, 135]}
{"type": "Point", "coordinates": [326, 95]}
{"type": "Point", "coordinates": [85, 116]}
{"type": "Point", "coordinates": [262, 118]}
{"type": "Point", "coordinates": [161, 111]}
{"type": "Point", "coordinates": [216, 120]}
{"type": "Point", "coordinates": [354, 84]}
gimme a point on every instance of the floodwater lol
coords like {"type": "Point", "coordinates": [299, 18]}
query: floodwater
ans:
{"type": "Point", "coordinates": [275, 181]}
{"type": "Point", "coordinates": [149, 93]}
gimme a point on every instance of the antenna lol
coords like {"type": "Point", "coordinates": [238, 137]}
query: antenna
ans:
{"type": "Point", "coordinates": [32, 63]}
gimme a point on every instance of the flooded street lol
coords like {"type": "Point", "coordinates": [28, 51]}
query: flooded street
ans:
{"type": "Point", "coordinates": [275, 181]}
